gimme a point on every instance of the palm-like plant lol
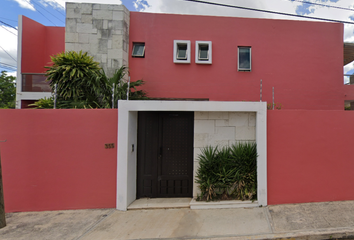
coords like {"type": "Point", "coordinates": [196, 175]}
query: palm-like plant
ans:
{"type": "Point", "coordinates": [121, 87]}
{"type": "Point", "coordinates": [81, 83]}
{"type": "Point", "coordinates": [78, 77]}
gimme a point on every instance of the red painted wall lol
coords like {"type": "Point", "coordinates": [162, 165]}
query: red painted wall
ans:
{"type": "Point", "coordinates": [39, 42]}
{"type": "Point", "coordinates": [310, 156]}
{"type": "Point", "coordinates": [56, 159]}
{"type": "Point", "coordinates": [349, 92]}
{"type": "Point", "coordinates": [301, 59]}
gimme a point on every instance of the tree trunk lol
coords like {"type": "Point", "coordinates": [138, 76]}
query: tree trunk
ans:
{"type": "Point", "coordinates": [2, 205]}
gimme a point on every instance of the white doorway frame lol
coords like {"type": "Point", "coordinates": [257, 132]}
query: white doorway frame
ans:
{"type": "Point", "coordinates": [127, 140]}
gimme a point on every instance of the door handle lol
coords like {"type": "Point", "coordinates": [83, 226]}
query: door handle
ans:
{"type": "Point", "coordinates": [160, 151]}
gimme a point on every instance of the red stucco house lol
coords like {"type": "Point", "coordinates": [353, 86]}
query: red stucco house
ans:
{"type": "Point", "coordinates": [302, 60]}
{"type": "Point", "coordinates": [204, 74]}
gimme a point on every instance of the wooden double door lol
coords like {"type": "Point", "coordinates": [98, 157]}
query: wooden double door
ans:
{"type": "Point", "coordinates": [165, 154]}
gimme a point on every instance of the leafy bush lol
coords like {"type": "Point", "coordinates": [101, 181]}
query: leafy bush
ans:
{"type": "Point", "coordinates": [48, 103]}
{"type": "Point", "coordinates": [43, 103]}
{"type": "Point", "coordinates": [228, 172]}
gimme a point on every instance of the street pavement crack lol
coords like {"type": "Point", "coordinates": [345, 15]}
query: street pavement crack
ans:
{"type": "Point", "coordinates": [94, 225]}
{"type": "Point", "coordinates": [269, 219]}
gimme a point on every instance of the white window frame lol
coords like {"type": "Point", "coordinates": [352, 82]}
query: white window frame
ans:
{"type": "Point", "coordinates": [197, 47]}
{"type": "Point", "coordinates": [138, 56]}
{"type": "Point", "coordinates": [175, 50]}
{"type": "Point", "coordinates": [238, 59]}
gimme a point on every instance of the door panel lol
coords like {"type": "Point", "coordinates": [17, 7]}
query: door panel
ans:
{"type": "Point", "coordinates": [148, 129]}
{"type": "Point", "coordinates": [165, 154]}
{"type": "Point", "coordinates": [176, 162]}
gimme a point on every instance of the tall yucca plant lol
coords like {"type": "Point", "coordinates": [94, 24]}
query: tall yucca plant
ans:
{"type": "Point", "coordinates": [77, 76]}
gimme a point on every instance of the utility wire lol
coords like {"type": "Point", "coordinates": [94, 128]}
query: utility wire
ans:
{"type": "Point", "coordinates": [8, 53]}
{"type": "Point", "coordinates": [3, 65]}
{"type": "Point", "coordinates": [41, 13]}
{"type": "Point", "coordinates": [48, 11]}
{"type": "Point", "coordinates": [267, 11]}
{"type": "Point", "coordinates": [9, 19]}
{"type": "Point", "coordinates": [57, 9]}
{"type": "Point", "coordinates": [323, 5]}
{"type": "Point", "coordinates": [7, 69]}
{"type": "Point", "coordinates": [8, 65]}
{"type": "Point", "coordinates": [8, 25]}
{"type": "Point", "coordinates": [8, 30]}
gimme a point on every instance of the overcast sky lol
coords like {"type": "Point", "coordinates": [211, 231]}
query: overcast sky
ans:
{"type": "Point", "coordinates": [52, 13]}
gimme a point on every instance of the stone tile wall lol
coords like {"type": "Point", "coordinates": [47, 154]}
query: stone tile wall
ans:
{"type": "Point", "coordinates": [102, 30]}
{"type": "Point", "coordinates": [221, 129]}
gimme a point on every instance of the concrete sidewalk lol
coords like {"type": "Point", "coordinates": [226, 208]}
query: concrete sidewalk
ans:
{"type": "Point", "coordinates": [328, 220]}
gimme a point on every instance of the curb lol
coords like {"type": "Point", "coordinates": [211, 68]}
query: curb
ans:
{"type": "Point", "coordinates": [320, 234]}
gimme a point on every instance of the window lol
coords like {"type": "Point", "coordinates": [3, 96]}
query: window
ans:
{"type": "Point", "coordinates": [181, 51]}
{"type": "Point", "coordinates": [203, 52]}
{"type": "Point", "coordinates": [35, 83]}
{"type": "Point", "coordinates": [244, 58]}
{"type": "Point", "coordinates": [138, 50]}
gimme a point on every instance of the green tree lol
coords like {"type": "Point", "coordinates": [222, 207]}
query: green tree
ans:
{"type": "Point", "coordinates": [121, 87]}
{"type": "Point", "coordinates": [78, 78]}
{"type": "Point", "coordinates": [81, 83]}
{"type": "Point", "coordinates": [7, 91]}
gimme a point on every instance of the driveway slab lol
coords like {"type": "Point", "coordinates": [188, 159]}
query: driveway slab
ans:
{"type": "Point", "coordinates": [180, 223]}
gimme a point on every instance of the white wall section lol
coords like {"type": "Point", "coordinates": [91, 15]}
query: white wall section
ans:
{"type": "Point", "coordinates": [221, 129]}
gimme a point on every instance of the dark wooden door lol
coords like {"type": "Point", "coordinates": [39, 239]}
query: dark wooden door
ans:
{"type": "Point", "coordinates": [165, 154]}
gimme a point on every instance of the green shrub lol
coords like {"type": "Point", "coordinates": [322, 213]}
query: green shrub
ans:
{"type": "Point", "coordinates": [43, 103]}
{"type": "Point", "coordinates": [48, 103]}
{"type": "Point", "coordinates": [228, 172]}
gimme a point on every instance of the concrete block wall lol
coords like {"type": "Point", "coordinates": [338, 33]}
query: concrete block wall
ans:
{"type": "Point", "coordinates": [102, 30]}
{"type": "Point", "coordinates": [221, 129]}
